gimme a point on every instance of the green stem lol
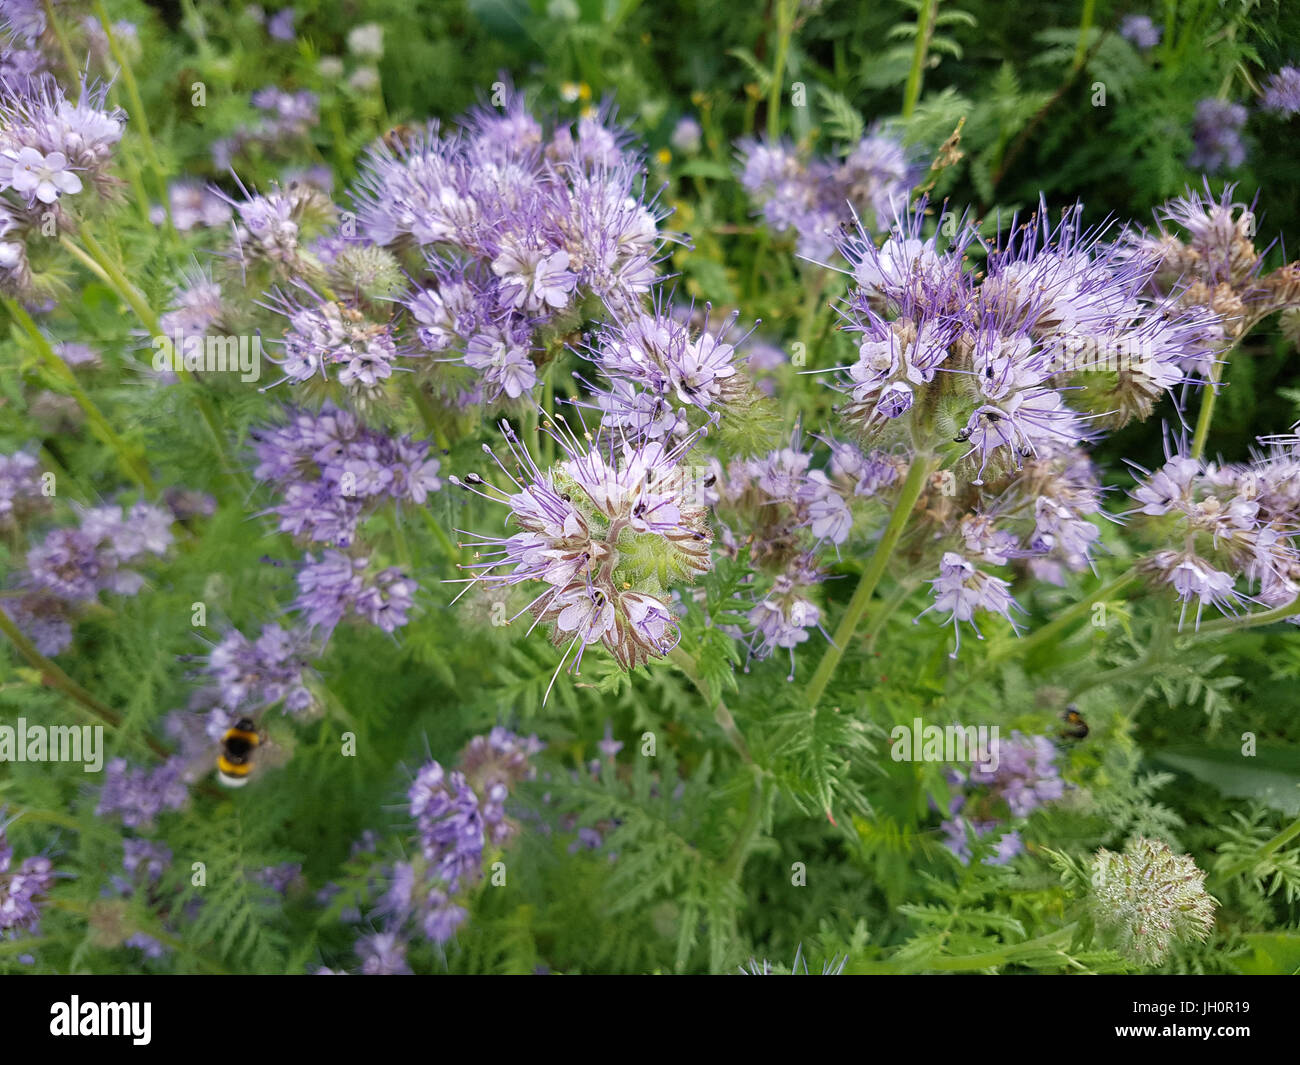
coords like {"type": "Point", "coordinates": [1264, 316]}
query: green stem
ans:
{"type": "Point", "coordinates": [101, 263]}
{"type": "Point", "coordinates": [1085, 29]}
{"type": "Point", "coordinates": [56, 26]}
{"type": "Point", "coordinates": [784, 29]}
{"type": "Point", "coordinates": [96, 259]}
{"type": "Point", "coordinates": [138, 114]}
{"type": "Point", "coordinates": [428, 416]}
{"type": "Point", "coordinates": [1003, 955]}
{"type": "Point", "coordinates": [683, 661]}
{"type": "Point", "coordinates": [60, 681]}
{"type": "Point", "coordinates": [1063, 620]}
{"type": "Point", "coordinates": [1271, 847]}
{"type": "Point", "coordinates": [915, 76]}
{"type": "Point", "coordinates": [1207, 408]}
{"type": "Point", "coordinates": [735, 863]}
{"type": "Point", "coordinates": [1249, 621]}
{"type": "Point", "coordinates": [911, 492]}
{"type": "Point", "coordinates": [132, 463]}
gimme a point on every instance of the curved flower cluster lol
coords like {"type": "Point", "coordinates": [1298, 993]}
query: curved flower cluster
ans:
{"type": "Point", "coordinates": [606, 531]}
{"type": "Point", "coordinates": [458, 814]}
{"type": "Point", "coordinates": [339, 585]}
{"type": "Point", "coordinates": [512, 237]}
{"type": "Point", "coordinates": [251, 675]}
{"type": "Point", "coordinates": [330, 471]}
{"type": "Point", "coordinates": [1147, 898]}
{"type": "Point", "coordinates": [1054, 320]}
{"type": "Point", "coordinates": [815, 197]}
{"type": "Point", "coordinates": [139, 795]}
{"type": "Point", "coordinates": [51, 148]}
{"type": "Point", "coordinates": [1225, 525]}
{"type": "Point", "coordinates": [193, 205]}
{"type": "Point", "coordinates": [1025, 778]}
{"type": "Point", "coordinates": [23, 890]}
{"type": "Point", "coordinates": [1206, 261]}
{"type": "Point", "coordinates": [1216, 136]}
{"type": "Point", "coordinates": [661, 368]}
{"type": "Point", "coordinates": [284, 122]}
{"type": "Point", "coordinates": [791, 512]}
{"type": "Point", "coordinates": [1282, 92]}
{"type": "Point", "coordinates": [21, 493]}
{"type": "Point", "coordinates": [70, 567]}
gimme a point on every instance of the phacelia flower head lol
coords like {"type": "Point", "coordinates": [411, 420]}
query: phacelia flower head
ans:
{"type": "Point", "coordinates": [606, 531]}
{"type": "Point", "coordinates": [1216, 135]}
{"type": "Point", "coordinates": [1282, 92]}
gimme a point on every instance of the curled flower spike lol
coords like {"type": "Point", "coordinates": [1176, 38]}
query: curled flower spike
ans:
{"type": "Point", "coordinates": [961, 589]}
{"type": "Point", "coordinates": [606, 531]}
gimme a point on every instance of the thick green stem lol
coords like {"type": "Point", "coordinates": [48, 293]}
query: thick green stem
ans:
{"type": "Point", "coordinates": [911, 492]}
{"type": "Point", "coordinates": [1271, 847]}
{"type": "Point", "coordinates": [1004, 955]}
{"type": "Point", "coordinates": [683, 661]}
{"type": "Point", "coordinates": [1249, 621]}
{"type": "Point", "coordinates": [138, 115]}
{"type": "Point", "coordinates": [1207, 409]}
{"type": "Point", "coordinates": [1063, 620]}
{"type": "Point", "coordinates": [132, 463]}
{"type": "Point", "coordinates": [60, 681]}
{"type": "Point", "coordinates": [735, 863]}
{"type": "Point", "coordinates": [96, 259]}
{"type": "Point", "coordinates": [784, 29]}
{"type": "Point", "coordinates": [1085, 31]}
{"type": "Point", "coordinates": [916, 75]}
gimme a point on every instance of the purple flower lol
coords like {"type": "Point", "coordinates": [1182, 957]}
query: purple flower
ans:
{"type": "Point", "coordinates": [571, 522]}
{"type": "Point", "coordinates": [338, 585]}
{"type": "Point", "coordinates": [1216, 133]}
{"type": "Point", "coordinates": [139, 795]}
{"type": "Point", "coordinates": [250, 675]}
{"type": "Point", "coordinates": [1282, 92]}
{"type": "Point", "coordinates": [814, 197]}
{"type": "Point", "coordinates": [280, 25]}
{"type": "Point", "coordinates": [48, 142]}
{"type": "Point", "coordinates": [961, 589]}
{"type": "Point", "coordinates": [1141, 31]}
{"type": "Point", "coordinates": [383, 954]}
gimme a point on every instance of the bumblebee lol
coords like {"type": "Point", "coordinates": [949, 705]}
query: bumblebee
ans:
{"type": "Point", "coordinates": [235, 761]}
{"type": "Point", "coordinates": [1076, 728]}
{"type": "Point", "coordinates": [400, 137]}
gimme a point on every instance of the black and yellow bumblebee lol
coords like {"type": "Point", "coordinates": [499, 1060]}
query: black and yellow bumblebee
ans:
{"type": "Point", "coordinates": [235, 760]}
{"type": "Point", "coordinates": [400, 138]}
{"type": "Point", "coordinates": [1076, 728]}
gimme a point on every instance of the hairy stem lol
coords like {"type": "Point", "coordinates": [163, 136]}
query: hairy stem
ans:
{"type": "Point", "coordinates": [784, 30]}
{"type": "Point", "coordinates": [911, 492]}
{"type": "Point", "coordinates": [130, 459]}
{"type": "Point", "coordinates": [916, 75]}
{"type": "Point", "coordinates": [60, 681]}
{"type": "Point", "coordinates": [1207, 409]}
{"type": "Point", "coordinates": [721, 714]}
{"type": "Point", "coordinates": [1057, 626]}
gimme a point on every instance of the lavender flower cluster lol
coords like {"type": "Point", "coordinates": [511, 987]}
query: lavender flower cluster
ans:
{"type": "Point", "coordinates": [814, 197]}
{"type": "Point", "coordinates": [23, 890]}
{"type": "Point", "coordinates": [1019, 363]}
{"type": "Point", "coordinates": [602, 531]}
{"type": "Point", "coordinates": [513, 238]}
{"type": "Point", "coordinates": [985, 800]}
{"type": "Point", "coordinates": [1226, 524]}
{"type": "Point", "coordinates": [790, 514]}
{"type": "Point", "coordinates": [69, 568]}
{"type": "Point", "coordinates": [51, 146]}
{"type": "Point", "coordinates": [459, 814]}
